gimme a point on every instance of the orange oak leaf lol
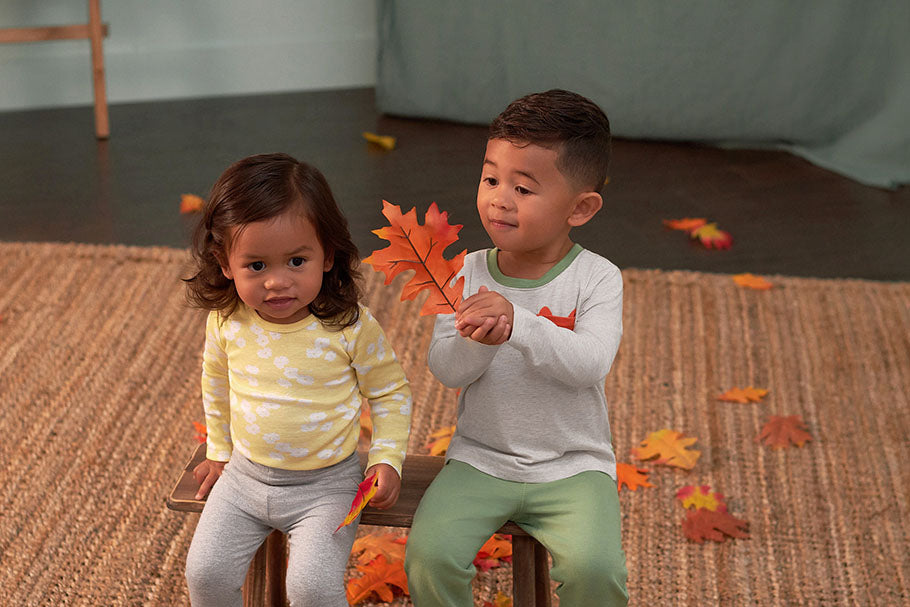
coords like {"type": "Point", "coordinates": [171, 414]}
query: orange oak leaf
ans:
{"type": "Point", "coordinates": [384, 141]}
{"type": "Point", "coordinates": [365, 491]}
{"type": "Point", "coordinates": [669, 447]}
{"type": "Point", "coordinates": [686, 224]}
{"type": "Point", "coordinates": [566, 322]}
{"type": "Point", "coordinates": [370, 546]}
{"type": "Point", "coordinates": [495, 550]}
{"type": "Point", "coordinates": [703, 524]}
{"type": "Point", "coordinates": [443, 437]}
{"type": "Point", "coordinates": [782, 430]}
{"type": "Point", "coordinates": [743, 395]}
{"type": "Point", "coordinates": [202, 432]}
{"type": "Point", "coordinates": [751, 281]}
{"type": "Point", "coordinates": [631, 476]}
{"type": "Point", "coordinates": [380, 578]}
{"type": "Point", "coordinates": [420, 248]}
{"type": "Point", "coordinates": [190, 203]}
{"type": "Point", "coordinates": [712, 237]}
{"type": "Point", "coordinates": [701, 497]}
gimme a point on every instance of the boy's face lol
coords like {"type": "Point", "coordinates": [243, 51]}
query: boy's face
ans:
{"type": "Point", "coordinates": [524, 201]}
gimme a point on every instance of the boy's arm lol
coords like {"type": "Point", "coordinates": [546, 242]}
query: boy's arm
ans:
{"type": "Point", "coordinates": [383, 383]}
{"type": "Point", "coordinates": [454, 360]}
{"type": "Point", "coordinates": [215, 393]}
{"type": "Point", "coordinates": [582, 356]}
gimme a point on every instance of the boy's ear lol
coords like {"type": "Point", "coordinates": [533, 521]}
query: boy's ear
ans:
{"type": "Point", "coordinates": [586, 206]}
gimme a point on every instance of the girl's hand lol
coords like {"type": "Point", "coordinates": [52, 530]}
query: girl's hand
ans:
{"type": "Point", "coordinates": [388, 484]}
{"type": "Point", "coordinates": [206, 474]}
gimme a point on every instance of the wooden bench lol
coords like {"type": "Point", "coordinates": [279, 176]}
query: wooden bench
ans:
{"type": "Point", "coordinates": [265, 581]}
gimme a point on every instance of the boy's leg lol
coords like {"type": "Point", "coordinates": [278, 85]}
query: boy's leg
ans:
{"type": "Point", "coordinates": [460, 510]}
{"type": "Point", "coordinates": [577, 519]}
{"type": "Point", "coordinates": [225, 540]}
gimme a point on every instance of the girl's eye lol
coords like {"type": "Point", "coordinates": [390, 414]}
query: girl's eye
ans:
{"type": "Point", "coordinates": [257, 266]}
{"type": "Point", "coordinates": [296, 262]}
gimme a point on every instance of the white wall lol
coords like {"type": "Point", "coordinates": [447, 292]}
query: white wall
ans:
{"type": "Point", "coordinates": [167, 49]}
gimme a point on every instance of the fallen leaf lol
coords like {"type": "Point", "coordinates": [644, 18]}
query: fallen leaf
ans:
{"type": "Point", "coordinates": [365, 491]}
{"type": "Point", "coordinates": [669, 447]}
{"type": "Point", "coordinates": [201, 432]}
{"type": "Point", "coordinates": [701, 497]}
{"type": "Point", "coordinates": [443, 438]}
{"type": "Point", "coordinates": [751, 281]}
{"type": "Point", "coordinates": [780, 431]}
{"type": "Point", "coordinates": [370, 546]}
{"type": "Point", "coordinates": [712, 237]}
{"type": "Point", "coordinates": [702, 524]}
{"type": "Point", "coordinates": [495, 550]}
{"type": "Point", "coordinates": [743, 395]}
{"type": "Point", "coordinates": [420, 248]}
{"type": "Point", "coordinates": [566, 322]}
{"type": "Point", "coordinates": [500, 600]}
{"type": "Point", "coordinates": [631, 476]}
{"type": "Point", "coordinates": [687, 224]}
{"type": "Point", "coordinates": [380, 578]}
{"type": "Point", "coordinates": [190, 203]}
{"type": "Point", "coordinates": [384, 141]}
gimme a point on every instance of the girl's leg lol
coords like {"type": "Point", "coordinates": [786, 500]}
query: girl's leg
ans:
{"type": "Point", "coordinates": [460, 510]}
{"type": "Point", "coordinates": [226, 538]}
{"type": "Point", "coordinates": [577, 519]}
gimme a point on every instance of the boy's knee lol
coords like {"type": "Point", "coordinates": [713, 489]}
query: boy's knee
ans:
{"type": "Point", "coordinates": [594, 574]}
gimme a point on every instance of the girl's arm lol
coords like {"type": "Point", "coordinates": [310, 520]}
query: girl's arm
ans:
{"type": "Point", "coordinates": [215, 389]}
{"type": "Point", "coordinates": [580, 357]}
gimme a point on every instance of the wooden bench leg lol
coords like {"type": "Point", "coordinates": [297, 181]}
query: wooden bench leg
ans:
{"type": "Point", "coordinates": [96, 35]}
{"type": "Point", "coordinates": [265, 581]}
{"type": "Point", "coordinates": [530, 573]}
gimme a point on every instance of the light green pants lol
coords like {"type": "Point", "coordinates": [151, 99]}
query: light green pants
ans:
{"type": "Point", "coordinates": [577, 519]}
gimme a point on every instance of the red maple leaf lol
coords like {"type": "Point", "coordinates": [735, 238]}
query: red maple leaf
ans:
{"type": "Point", "coordinates": [420, 248]}
{"type": "Point", "coordinates": [365, 491]}
{"type": "Point", "coordinates": [703, 524]}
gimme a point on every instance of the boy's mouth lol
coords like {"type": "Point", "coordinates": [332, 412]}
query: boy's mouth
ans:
{"type": "Point", "coordinates": [500, 224]}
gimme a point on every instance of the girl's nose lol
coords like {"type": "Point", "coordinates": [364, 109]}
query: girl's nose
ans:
{"type": "Point", "coordinates": [275, 281]}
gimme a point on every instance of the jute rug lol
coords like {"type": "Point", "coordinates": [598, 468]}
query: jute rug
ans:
{"type": "Point", "coordinates": [99, 374]}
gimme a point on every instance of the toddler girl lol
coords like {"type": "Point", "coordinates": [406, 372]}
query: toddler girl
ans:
{"type": "Point", "coordinates": [289, 353]}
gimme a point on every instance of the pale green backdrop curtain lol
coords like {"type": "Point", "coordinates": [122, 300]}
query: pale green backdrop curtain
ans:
{"type": "Point", "coordinates": [827, 79]}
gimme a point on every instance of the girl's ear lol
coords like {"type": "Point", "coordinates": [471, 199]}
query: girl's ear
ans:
{"type": "Point", "coordinates": [328, 261]}
{"type": "Point", "coordinates": [586, 206]}
{"type": "Point", "coordinates": [225, 268]}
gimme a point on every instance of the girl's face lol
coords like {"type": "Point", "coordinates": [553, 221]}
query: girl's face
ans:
{"type": "Point", "coordinates": [277, 266]}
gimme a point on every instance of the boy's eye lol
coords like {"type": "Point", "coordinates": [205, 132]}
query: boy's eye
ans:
{"type": "Point", "coordinates": [256, 266]}
{"type": "Point", "coordinates": [521, 190]}
{"type": "Point", "coordinates": [296, 262]}
{"type": "Point", "coordinates": [490, 181]}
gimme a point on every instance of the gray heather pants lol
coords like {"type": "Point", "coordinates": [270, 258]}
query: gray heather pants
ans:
{"type": "Point", "coordinates": [247, 502]}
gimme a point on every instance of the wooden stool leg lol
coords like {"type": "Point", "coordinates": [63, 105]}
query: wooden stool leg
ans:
{"type": "Point", "coordinates": [96, 34]}
{"type": "Point", "coordinates": [530, 573]}
{"type": "Point", "coordinates": [265, 581]}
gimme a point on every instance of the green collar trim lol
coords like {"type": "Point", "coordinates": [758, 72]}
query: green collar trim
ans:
{"type": "Point", "coordinates": [530, 283]}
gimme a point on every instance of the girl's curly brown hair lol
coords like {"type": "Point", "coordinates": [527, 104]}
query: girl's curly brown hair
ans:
{"type": "Point", "coordinates": [258, 188]}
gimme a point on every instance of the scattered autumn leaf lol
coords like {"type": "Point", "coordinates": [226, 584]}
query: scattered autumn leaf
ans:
{"type": "Point", "coordinates": [686, 224]}
{"type": "Point", "coordinates": [743, 395]}
{"type": "Point", "coordinates": [190, 203]}
{"type": "Point", "coordinates": [712, 237]}
{"type": "Point", "coordinates": [380, 578]}
{"type": "Point", "coordinates": [500, 600]}
{"type": "Point", "coordinates": [703, 524]}
{"type": "Point", "coordinates": [201, 432]}
{"type": "Point", "coordinates": [631, 476]}
{"type": "Point", "coordinates": [494, 552]}
{"type": "Point", "coordinates": [420, 248]}
{"type": "Point", "coordinates": [669, 447]}
{"type": "Point", "coordinates": [370, 546]}
{"type": "Point", "coordinates": [782, 430]}
{"type": "Point", "coordinates": [751, 281]}
{"type": "Point", "coordinates": [566, 322]}
{"type": "Point", "coordinates": [701, 497]}
{"type": "Point", "coordinates": [365, 491]}
{"type": "Point", "coordinates": [384, 141]}
{"type": "Point", "coordinates": [443, 437]}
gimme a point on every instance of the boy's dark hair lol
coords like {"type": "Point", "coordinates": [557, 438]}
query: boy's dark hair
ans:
{"type": "Point", "coordinates": [258, 188]}
{"type": "Point", "coordinates": [573, 125]}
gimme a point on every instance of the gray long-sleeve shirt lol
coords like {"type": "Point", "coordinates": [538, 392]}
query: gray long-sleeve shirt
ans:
{"type": "Point", "coordinates": [533, 409]}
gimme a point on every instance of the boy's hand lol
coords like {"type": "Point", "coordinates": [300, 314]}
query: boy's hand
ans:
{"type": "Point", "coordinates": [486, 317]}
{"type": "Point", "coordinates": [206, 473]}
{"type": "Point", "coordinates": [388, 484]}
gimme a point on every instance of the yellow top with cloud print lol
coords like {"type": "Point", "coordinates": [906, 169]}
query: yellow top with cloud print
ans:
{"type": "Point", "coordinates": [289, 396]}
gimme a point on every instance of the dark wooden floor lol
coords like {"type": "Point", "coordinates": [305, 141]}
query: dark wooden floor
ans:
{"type": "Point", "coordinates": [57, 183]}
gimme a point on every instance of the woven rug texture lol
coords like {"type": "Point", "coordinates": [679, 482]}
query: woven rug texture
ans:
{"type": "Point", "coordinates": [99, 382]}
